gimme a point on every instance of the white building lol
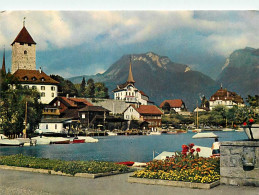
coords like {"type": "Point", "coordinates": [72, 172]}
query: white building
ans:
{"type": "Point", "coordinates": [226, 98]}
{"type": "Point", "coordinates": [54, 125]}
{"type": "Point", "coordinates": [129, 93]}
{"type": "Point", "coordinates": [24, 67]}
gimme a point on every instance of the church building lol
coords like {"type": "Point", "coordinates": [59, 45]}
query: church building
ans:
{"type": "Point", "coordinates": [24, 67]}
{"type": "Point", "coordinates": [129, 93]}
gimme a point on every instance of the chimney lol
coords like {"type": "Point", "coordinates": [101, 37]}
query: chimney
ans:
{"type": "Point", "coordinates": [40, 70]}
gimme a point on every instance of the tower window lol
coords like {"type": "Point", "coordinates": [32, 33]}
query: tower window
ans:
{"type": "Point", "coordinates": [25, 52]}
{"type": "Point", "coordinates": [42, 87]}
{"type": "Point", "coordinates": [29, 44]}
{"type": "Point", "coordinates": [42, 94]}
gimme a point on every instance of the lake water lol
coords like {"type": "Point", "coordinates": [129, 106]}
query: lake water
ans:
{"type": "Point", "coordinates": [120, 148]}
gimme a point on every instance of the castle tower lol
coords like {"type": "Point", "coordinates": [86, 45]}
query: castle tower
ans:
{"type": "Point", "coordinates": [23, 51]}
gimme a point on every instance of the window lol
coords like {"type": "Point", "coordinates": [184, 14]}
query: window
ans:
{"type": "Point", "coordinates": [21, 43]}
{"type": "Point", "coordinates": [42, 79]}
{"type": "Point", "coordinates": [34, 78]}
{"type": "Point", "coordinates": [52, 88]}
{"type": "Point", "coordinates": [55, 104]}
{"type": "Point", "coordinates": [42, 87]}
{"type": "Point", "coordinates": [26, 86]}
{"type": "Point", "coordinates": [34, 87]}
{"type": "Point", "coordinates": [56, 126]}
{"type": "Point", "coordinates": [58, 103]}
{"type": "Point", "coordinates": [25, 52]}
{"type": "Point", "coordinates": [47, 126]}
{"type": "Point", "coordinates": [29, 44]}
{"type": "Point", "coordinates": [52, 94]}
{"type": "Point", "coordinates": [25, 78]}
{"type": "Point", "coordinates": [83, 115]}
{"type": "Point", "coordinates": [42, 94]}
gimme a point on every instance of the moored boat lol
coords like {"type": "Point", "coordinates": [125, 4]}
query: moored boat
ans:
{"type": "Point", "coordinates": [127, 163]}
{"type": "Point", "coordinates": [59, 140]}
{"type": "Point", "coordinates": [197, 130]}
{"type": "Point", "coordinates": [110, 133]}
{"type": "Point", "coordinates": [10, 142]}
{"type": "Point", "coordinates": [41, 140]}
{"type": "Point", "coordinates": [76, 140]}
{"type": "Point", "coordinates": [155, 133]}
{"type": "Point", "coordinates": [88, 139]}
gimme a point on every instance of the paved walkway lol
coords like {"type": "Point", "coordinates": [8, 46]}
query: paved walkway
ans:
{"type": "Point", "coordinates": [18, 182]}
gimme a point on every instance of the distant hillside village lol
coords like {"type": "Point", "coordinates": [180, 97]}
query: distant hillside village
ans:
{"type": "Point", "coordinates": [51, 105]}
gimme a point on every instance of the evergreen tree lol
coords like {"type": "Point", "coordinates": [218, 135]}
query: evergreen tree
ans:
{"type": "Point", "coordinates": [90, 90]}
{"type": "Point", "coordinates": [82, 86]}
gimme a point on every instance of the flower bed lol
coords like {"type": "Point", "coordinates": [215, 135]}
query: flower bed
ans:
{"type": "Point", "coordinates": [67, 167]}
{"type": "Point", "coordinates": [186, 166]}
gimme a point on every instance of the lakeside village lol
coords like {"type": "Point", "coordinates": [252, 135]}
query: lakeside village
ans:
{"type": "Point", "coordinates": [35, 109]}
{"type": "Point", "coordinates": [31, 104]}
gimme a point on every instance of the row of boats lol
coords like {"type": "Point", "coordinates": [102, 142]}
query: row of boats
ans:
{"type": "Point", "coordinates": [42, 140]}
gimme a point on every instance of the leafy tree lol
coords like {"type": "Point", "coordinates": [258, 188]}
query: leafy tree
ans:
{"type": "Point", "coordinates": [90, 89]}
{"type": "Point", "coordinates": [82, 86]}
{"type": "Point", "coordinates": [12, 110]}
{"type": "Point", "coordinates": [253, 100]}
{"type": "Point", "coordinates": [101, 91]}
{"type": "Point", "coordinates": [65, 86]}
{"type": "Point", "coordinates": [166, 107]}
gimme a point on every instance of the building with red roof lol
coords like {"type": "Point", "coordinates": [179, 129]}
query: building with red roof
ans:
{"type": "Point", "coordinates": [177, 105]}
{"type": "Point", "coordinates": [24, 67]}
{"type": "Point", "coordinates": [225, 98]}
{"type": "Point", "coordinates": [144, 113]}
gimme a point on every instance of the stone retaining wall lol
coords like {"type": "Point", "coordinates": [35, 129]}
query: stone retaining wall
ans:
{"type": "Point", "coordinates": [239, 163]}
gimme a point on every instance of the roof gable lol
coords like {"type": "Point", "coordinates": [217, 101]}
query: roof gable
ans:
{"type": "Point", "coordinates": [24, 37]}
{"type": "Point", "coordinates": [149, 109]}
{"type": "Point", "coordinates": [177, 103]}
{"type": "Point", "coordinates": [33, 76]}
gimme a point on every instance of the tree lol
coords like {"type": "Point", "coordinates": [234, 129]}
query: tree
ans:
{"type": "Point", "coordinates": [101, 91]}
{"type": "Point", "coordinates": [12, 110]}
{"type": "Point", "coordinates": [90, 89]}
{"type": "Point", "coordinates": [253, 101]}
{"type": "Point", "coordinates": [82, 86]}
{"type": "Point", "coordinates": [65, 86]}
{"type": "Point", "coordinates": [166, 107]}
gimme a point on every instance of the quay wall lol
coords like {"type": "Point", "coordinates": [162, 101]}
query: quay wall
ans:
{"type": "Point", "coordinates": [239, 163]}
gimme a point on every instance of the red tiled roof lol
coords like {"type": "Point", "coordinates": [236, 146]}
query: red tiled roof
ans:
{"type": "Point", "coordinates": [69, 102]}
{"type": "Point", "coordinates": [24, 37]}
{"type": "Point", "coordinates": [224, 94]}
{"type": "Point", "coordinates": [82, 100]}
{"type": "Point", "coordinates": [173, 103]}
{"type": "Point", "coordinates": [94, 109]}
{"type": "Point", "coordinates": [148, 109]}
{"type": "Point", "coordinates": [33, 76]}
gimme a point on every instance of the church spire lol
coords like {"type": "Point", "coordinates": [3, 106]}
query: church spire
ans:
{"type": "Point", "coordinates": [3, 65]}
{"type": "Point", "coordinates": [130, 77]}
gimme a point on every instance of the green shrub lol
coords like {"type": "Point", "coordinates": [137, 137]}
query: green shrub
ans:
{"type": "Point", "coordinates": [68, 167]}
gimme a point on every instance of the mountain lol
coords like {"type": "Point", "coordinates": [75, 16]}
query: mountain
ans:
{"type": "Point", "coordinates": [241, 72]}
{"type": "Point", "coordinates": [158, 77]}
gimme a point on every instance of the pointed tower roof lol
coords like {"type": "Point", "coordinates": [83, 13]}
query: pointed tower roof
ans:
{"type": "Point", "coordinates": [24, 37]}
{"type": "Point", "coordinates": [3, 65]}
{"type": "Point", "coordinates": [130, 77]}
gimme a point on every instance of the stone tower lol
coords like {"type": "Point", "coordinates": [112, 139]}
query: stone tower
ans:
{"type": "Point", "coordinates": [23, 51]}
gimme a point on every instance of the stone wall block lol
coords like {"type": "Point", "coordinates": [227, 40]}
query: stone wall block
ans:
{"type": "Point", "coordinates": [225, 150]}
{"type": "Point", "coordinates": [235, 161]}
{"type": "Point", "coordinates": [224, 161]}
{"type": "Point", "coordinates": [236, 150]}
{"type": "Point", "coordinates": [232, 172]}
{"type": "Point", "coordinates": [253, 174]}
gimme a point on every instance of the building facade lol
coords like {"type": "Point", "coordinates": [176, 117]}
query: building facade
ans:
{"type": "Point", "coordinates": [24, 68]}
{"type": "Point", "coordinates": [144, 113]}
{"type": "Point", "coordinates": [177, 105]}
{"type": "Point", "coordinates": [129, 93]}
{"type": "Point", "coordinates": [225, 98]}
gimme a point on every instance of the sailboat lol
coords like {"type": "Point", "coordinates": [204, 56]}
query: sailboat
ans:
{"type": "Point", "coordinates": [197, 130]}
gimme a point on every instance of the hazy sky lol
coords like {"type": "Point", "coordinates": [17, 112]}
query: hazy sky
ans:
{"type": "Point", "coordinates": [72, 43]}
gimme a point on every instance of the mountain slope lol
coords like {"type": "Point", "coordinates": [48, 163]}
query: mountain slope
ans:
{"type": "Point", "coordinates": [241, 72]}
{"type": "Point", "coordinates": [158, 77]}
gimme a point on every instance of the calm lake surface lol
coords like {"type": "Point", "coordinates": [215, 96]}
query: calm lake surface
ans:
{"type": "Point", "coordinates": [120, 148]}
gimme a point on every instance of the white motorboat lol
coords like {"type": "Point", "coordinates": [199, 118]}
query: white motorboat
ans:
{"type": "Point", "coordinates": [88, 139]}
{"type": "Point", "coordinates": [10, 142]}
{"type": "Point", "coordinates": [155, 133]}
{"type": "Point", "coordinates": [227, 129]}
{"type": "Point", "coordinates": [197, 130]}
{"type": "Point", "coordinates": [110, 133]}
{"type": "Point", "coordinates": [205, 135]}
{"type": "Point", "coordinates": [42, 140]}
{"type": "Point", "coordinates": [27, 141]}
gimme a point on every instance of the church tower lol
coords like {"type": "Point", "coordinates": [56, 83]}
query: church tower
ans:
{"type": "Point", "coordinates": [23, 51]}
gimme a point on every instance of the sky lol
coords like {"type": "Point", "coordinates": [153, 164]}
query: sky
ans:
{"type": "Point", "coordinates": [73, 43]}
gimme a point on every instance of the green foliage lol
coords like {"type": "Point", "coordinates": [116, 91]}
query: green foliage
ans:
{"type": "Point", "coordinates": [12, 110]}
{"type": "Point", "coordinates": [253, 100]}
{"type": "Point", "coordinates": [176, 119]}
{"type": "Point", "coordinates": [68, 167]}
{"type": "Point", "coordinates": [65, 86]}
{"type": "Point", "coordinates": [166, 107]}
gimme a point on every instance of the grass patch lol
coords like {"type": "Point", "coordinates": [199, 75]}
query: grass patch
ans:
{"type": "Point", "coordinates": [68, 167]}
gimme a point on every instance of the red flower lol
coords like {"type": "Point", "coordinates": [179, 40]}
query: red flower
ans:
{"type": "Point", "coordinates": [251, 120]}
{"type": "Point", "coordinates": [244, 123]}
{"type": "Point", "coordinates": [198, 149]}
{"type": "Point", "coordinates": [184, 153]}
{"type": "Point", "coordinates": [192, 151]}
{"type": "Point", "coordinates": [191, 145]}
{"type": "Point", "coordinates": [184, 146]}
